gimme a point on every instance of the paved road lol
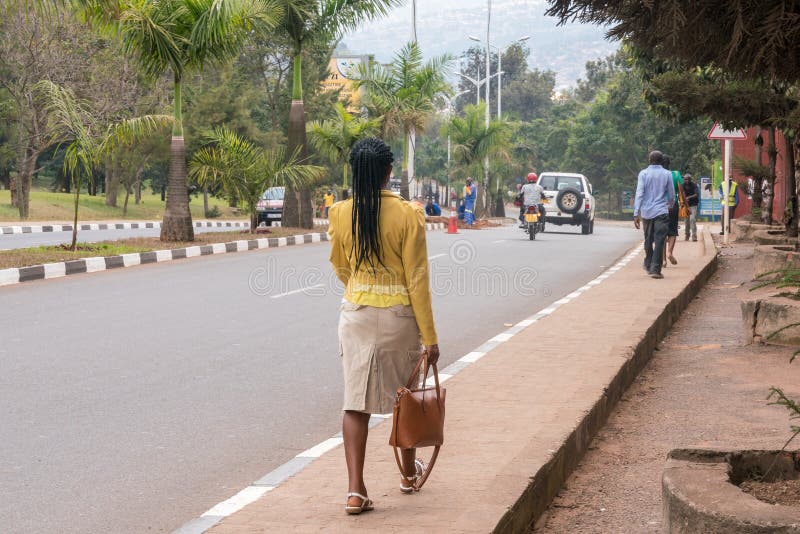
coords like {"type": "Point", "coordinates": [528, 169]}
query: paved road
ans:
{"type": "Point", "coordinates": [134, 400]}
{"type": "Point", "coordinates": [12, 241]}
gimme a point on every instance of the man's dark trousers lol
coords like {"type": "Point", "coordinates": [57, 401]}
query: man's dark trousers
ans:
{"type": "Point", "coordinates": [655, 234]}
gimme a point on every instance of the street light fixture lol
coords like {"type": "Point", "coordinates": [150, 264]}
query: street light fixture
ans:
{"type": "Point", "coordinates": [500, 53]}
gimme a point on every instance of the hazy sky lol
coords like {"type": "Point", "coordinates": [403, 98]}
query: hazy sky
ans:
{"type": "Point", "coordinates": [443, 26]}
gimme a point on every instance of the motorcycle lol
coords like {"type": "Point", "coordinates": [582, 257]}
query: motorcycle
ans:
{"type": "Point", "coordinates": [534, 222]}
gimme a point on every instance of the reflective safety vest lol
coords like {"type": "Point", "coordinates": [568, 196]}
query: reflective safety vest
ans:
{"type": "Point", "coordinates": [731, 200]}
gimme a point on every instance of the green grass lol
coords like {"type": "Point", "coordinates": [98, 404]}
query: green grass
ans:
{"type": "Point", "coordinates": [25, 257]}
{"type": "Point", "coordinates": [48, 206]}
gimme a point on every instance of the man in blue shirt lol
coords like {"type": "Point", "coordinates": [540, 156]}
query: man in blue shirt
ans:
{"type": "Point", "coordinates": [655, 194]}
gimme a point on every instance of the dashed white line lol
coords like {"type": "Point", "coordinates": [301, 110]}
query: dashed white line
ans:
{"type": "Point", "coordinates": [295, 291]}
{"type": "Point", "coordinates": [431, 258]}
{"type": "Point", "coordinates": [321, 448]}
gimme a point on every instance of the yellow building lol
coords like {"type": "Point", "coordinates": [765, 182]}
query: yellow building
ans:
{"type": "Point", "coordinates": [341, 71]}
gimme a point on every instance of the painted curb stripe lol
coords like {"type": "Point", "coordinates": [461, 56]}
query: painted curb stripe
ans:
{"type": "Point", "coordinates": [283, 472]}
{"type": "Point", "coordinates": [47, 228]}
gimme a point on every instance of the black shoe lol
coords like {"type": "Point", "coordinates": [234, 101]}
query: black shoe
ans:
{"type": "Point", "coordinates": [656, 275]}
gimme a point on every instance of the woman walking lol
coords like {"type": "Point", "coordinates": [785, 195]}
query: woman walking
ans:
{"type": "Point", "coordinates": [378, 251]}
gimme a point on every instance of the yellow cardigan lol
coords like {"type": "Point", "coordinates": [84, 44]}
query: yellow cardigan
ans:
{"type": "Point", "coordinates": [403, 278]}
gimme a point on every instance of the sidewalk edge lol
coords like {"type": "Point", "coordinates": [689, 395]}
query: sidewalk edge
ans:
{"type": "Point", "coordinates": [547, 482]}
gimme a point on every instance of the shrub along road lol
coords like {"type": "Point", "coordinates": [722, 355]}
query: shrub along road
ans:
{"type": "Point", "coordinates": [139, 398]}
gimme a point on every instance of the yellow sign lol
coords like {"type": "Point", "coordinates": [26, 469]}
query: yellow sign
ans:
{"type": "Point", "coordinates": [341, 71]}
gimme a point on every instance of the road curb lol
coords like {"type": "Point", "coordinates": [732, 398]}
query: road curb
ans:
{"type": "Point", "coordinates": [37, 229]}
{"type": "Point", "coordinates": [547, 482]}
{"type": "Point", "coordinates": [16, 275]}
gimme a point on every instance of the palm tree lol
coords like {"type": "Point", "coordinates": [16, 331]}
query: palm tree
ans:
{"type": "Point", "coordinates": [404, 94]}
{"type": "Point", "coordinates": [181, 36]}
{"type": "Point", "coordinates": [245, 171]}
{"type": "Point", "coordinates": [74, 122]}
{"type": "Point", "coordinates": [334, 138]}
{"type": "Point", "coordinates": [472, 141]}
{"type": "Point", "coordinates": [307, 22]}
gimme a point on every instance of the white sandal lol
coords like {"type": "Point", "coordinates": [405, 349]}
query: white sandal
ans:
{"type": "Point", "coordinates": [420, 465]}
{"type": "Point", "coordinates": [366, 504]}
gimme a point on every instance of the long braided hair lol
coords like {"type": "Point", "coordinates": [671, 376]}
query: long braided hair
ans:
{"type": "Point", "coordinates": [370, 160]}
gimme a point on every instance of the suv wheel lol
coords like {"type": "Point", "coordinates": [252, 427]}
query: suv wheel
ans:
{"type": "Point", "coordinates": [569, 200]}
{"type": "Point", "coordinates": [586, 227]}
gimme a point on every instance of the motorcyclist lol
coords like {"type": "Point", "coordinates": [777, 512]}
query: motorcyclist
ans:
{"type": "Point", "coordinates": [531, 194]}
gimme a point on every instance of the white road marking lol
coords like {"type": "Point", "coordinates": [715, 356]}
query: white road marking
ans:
{"type": "Point", "coordinates": [321, 448]}
{"type": "Point", "coordinates": [498, 241]}
{"type": "Point", "coordinates": [295, 291]}
{"type": "Point", "coordinates": [230, 506]}
{"type": "Point", "coordinates": [431, 258]}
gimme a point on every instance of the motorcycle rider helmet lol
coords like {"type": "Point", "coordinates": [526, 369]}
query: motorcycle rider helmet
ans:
{"type": "Point", "coordinates": [532, 177]}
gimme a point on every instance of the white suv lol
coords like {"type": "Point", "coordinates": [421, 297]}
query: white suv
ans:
{"type": "Point", "coordinates": [568, 199]}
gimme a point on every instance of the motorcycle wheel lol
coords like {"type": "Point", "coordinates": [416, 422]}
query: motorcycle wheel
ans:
{"type": "Point", "coordinates": [532, 231]}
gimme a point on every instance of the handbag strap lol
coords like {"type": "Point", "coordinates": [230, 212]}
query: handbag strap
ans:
{"type": "Point", "coordinates": [423, 360]}
{"type": "Point", "coordinates": [419, 481]}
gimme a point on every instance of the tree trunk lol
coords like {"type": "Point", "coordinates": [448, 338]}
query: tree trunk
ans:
{"type": "Point", "coordinates": [791, 186]}
{"type": "Point", "coordinates": [112, 181]}
{"type": "Point", "coordinates": [75, 215]}
{"type": "Point", "coordinates": [137, 197]}
{"type": "Point", "coordinates": [13, 185]}
{"type": "Point", "coordinates": [411, 175]}
{"type": "Point", "coordinates": [125, 205]}
{"type": "Point", "coordinates": [177, 223]}
{"type": "Point", "coordinates": [772, 153]}
{"type": "Point", "coordinates": [205, 201]}
{"type": "Point", "coordinates": [24, 181]}
{"type": "Point", "coordinates": [404, 192]}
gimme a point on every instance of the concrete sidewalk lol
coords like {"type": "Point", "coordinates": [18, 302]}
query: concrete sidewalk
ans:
{"type": "Point", "coordinates": [518, 419]}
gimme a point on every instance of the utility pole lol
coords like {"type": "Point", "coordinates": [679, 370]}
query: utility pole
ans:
{"type": "Point", "coordinates": [488, 113]}
{"type": "Point", "coordinates": [412, 133]}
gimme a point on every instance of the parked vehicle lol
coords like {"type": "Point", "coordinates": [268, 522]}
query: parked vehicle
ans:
{"type": "Point", "coordinates": [568, 199]}
{"type": "Point", "coordinates": [270, 207]}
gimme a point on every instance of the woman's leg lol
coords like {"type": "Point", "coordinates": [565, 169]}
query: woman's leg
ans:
{"type": "Point", "coordinates": [355, 426]}
{"type": "Point", "coordinates": [408, 456]}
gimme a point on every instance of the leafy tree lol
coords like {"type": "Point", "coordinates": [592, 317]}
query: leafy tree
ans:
{"type": "Point", "coordinates": [403, 94]}
{"type": "Point", "coordinates": [245, 171]}
{"type": "Point", "coordinates": [472, 141]}
{"type": "Point", "coordinates": [90, 141]}
{"type": "Point", "coordinates": [334, 138]}
{"type": "Point", "coordinates": [749, 39]}
{"type": "Point", "coordinates": [530, 96]}
{"type": "Point", "coordinates": [306, 22]}
{"type": "Point", "coordinates": [182, 36]}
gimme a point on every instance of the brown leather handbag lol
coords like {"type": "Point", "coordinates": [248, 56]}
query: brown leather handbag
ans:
{"type": "Point", "coordinates": [418, 419]}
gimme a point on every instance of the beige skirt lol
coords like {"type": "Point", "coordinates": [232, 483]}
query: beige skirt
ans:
{"type": "Point", "coordinates": [379, 348]}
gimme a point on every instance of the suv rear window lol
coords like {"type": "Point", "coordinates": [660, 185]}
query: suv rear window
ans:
{"type": "Point", "coordinates": [557, 183]}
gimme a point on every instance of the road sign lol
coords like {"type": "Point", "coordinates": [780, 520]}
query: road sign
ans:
{"type": "Point", "coordinates": [718, 132]}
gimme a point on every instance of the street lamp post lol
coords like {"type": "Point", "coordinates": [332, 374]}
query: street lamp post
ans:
{"type": "Point", "coordinates": [500, 53]}
{"type": "Point", "coordinates": [449, 101]}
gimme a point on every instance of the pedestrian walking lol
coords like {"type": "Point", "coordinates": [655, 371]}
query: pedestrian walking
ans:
{"type": "Point", "coordinates": [728, 201]}
{"type": "Point", "coordinates": [654, 196]}
{"type": "Point", "coordinates": [692, 194]}
{"type": "Point", "coordinates": [470, 194]}
{"type": "Point", "coordinates": [674, 213]}
{"type": "Point", "coordinates": [328, 201]}
{"type": "Point", "coordinates": [379, 252]}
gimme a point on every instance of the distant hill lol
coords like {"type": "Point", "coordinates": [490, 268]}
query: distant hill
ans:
{"type": "Point", "coordinates": [443, 26]}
